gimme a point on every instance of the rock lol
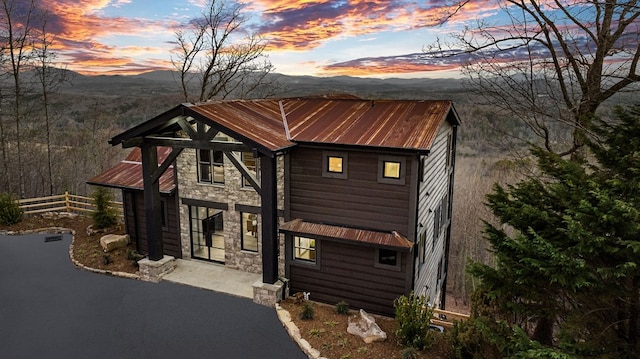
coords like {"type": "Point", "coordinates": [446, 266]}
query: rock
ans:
{"type": "Point", "coordinates": [110, 242]}
{"type": "Point", "coordinates": [366, 328]}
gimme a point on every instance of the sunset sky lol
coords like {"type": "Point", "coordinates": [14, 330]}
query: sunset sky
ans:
{"type": "Point", "coordinates": [372, 38]}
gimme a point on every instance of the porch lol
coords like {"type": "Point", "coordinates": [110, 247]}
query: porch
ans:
{"type": "Point", "coordinates": [213, 277]}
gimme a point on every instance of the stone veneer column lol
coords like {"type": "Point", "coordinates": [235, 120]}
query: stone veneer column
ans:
{"type": "Point", "coordinates": [267, 294]}
{"type": "Point", "coordinates": [152, 271]}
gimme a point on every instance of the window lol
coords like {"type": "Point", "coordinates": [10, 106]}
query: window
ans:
{"type": "Point", "coordinates": [304, 249]}
{"type": "Point", "coordinates": [253, 165]}
{"type": "Point", "coordinates": [391, 169]}
{"type": "Point", "coordinates": [335, 164]}
{"type": "Point", "coordinates": [249, 231]}
{"type": "Point", "coordinates": [449, 150]}
{"type": "Point", "coordinates": [387, 259]}
{"type": "Point", "coordinates": [211, 166]}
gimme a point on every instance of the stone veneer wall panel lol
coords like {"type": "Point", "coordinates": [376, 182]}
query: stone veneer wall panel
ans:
{"type": "Point", "coordinates": [231, 193]}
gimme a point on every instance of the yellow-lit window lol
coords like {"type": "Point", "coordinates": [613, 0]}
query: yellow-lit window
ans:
{"type": "Point", "coordinates": [391, 169]}
{"type": "Point", "coordinates": [304, 249]}
{"type": "Point", "coordinates": [334, 164]}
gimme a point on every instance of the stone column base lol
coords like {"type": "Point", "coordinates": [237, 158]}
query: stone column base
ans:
{"type": "Point", "coordinates": [267, 294]}
{"type": "Point", "coordinates": [152, 271]}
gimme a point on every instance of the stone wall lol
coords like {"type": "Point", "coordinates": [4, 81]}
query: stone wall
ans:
{"type": "Point", "coordinates": [231, 193]}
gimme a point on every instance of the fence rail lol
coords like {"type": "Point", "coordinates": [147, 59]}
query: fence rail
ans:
{"type": "Point", "coordinates": [64, 203]}
{"type": "Point", "coordinates": [446, 318]}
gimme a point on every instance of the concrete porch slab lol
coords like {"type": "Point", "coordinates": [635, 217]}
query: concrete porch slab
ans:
{"type": "Point", "coordinates": [213, 277]}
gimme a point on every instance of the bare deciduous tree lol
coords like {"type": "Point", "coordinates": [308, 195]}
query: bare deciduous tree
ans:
{"type": "Point", "coordinates": [49, 79]}
{"type": "Point", "coordinates": [216, 53]}
{"type": "Point", "coordinates": [553, 63]}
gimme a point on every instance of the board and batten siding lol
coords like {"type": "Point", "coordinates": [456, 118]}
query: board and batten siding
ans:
{"type": "Point", "coordinates": [432, 189]}
{"type": "Point", "coordinates": [137, 224]}
{"type": "Point", "coordinates": [356, 201]}
{"type": "Point", "coordinates": [346, 272]}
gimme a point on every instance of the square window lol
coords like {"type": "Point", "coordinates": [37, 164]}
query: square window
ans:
{"type": "Point", "coordinates": [391, 169]}
{"type": "Point", "coordinates": [304, 249]}
{"type": "Point", "coordinates": [335, 164]}
{"type": "Point", "coordinates": [388, 257]}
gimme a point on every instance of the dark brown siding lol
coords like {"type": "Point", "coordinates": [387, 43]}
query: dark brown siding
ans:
{"type": "Point", "coordinates": [136, 224]}
{"type": "Point", "coordinates": [346, 272]}
{"type": "Point", "coordinates": [358, 201]}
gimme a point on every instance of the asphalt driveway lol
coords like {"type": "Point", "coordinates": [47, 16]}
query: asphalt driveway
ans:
{"type": "Point", "coordinates": [50, 309]}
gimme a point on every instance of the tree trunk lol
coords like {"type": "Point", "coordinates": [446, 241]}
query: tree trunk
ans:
{"type": "Point", "coordinates": [543, 333]}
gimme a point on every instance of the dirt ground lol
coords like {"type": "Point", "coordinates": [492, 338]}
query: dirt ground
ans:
{"type": "Point", "coordinates": [86, 248]}
{"type": "Point", "coordinates": [327, 332]}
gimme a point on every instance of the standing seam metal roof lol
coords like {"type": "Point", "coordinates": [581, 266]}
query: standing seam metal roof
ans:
{"type": "Point", "coordinates": [400, 124]}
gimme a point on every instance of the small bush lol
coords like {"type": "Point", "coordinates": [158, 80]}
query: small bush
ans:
{"type": "Point", "coordinates": [10, 212]}
{"type": "Point", "coordinates": [342, 308]}
{"type": "Point", "coordinates": [308, 312]}
{"type": "Point", "coordinates": [413, 315]}
{"type": "Point", "coordinates": [105, 216]}
{"type": "Point", "coordinates": [409, 353]}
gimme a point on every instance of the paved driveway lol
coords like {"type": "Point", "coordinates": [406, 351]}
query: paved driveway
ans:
{"type": "Point", "coordinates": [50, 309]}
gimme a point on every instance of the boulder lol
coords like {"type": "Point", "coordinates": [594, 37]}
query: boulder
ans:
{"type": "Point", "coordinates": [364, 326]}
{"type": "Point", "coordinates": [110, 242]}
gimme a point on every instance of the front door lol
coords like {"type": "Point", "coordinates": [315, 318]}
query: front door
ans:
{"type": "Point", "coordinates": [207, 234]}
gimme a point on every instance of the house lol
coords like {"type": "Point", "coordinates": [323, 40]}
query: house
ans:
{"type": "Point", "coordinates": [348, 199]}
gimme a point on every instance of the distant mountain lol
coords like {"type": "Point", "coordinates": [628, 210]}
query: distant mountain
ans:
{"type": "Point", "coordinates": [166, 82]}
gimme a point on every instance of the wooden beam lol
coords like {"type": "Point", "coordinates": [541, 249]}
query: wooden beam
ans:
{"type": "Point", "coordinates": [199, 144]}
{"type": "Point", "coordinates": [186, 127]}
{"type": "Point", "coordinates": [243, 170]}
{"type": "Point", "coordinates": [269, 212]}
{"type": "Point", "coordinates": [152, 205]}
{"type": "Point", "coordinates": [167, 162]}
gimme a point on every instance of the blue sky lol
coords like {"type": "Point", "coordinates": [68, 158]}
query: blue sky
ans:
{"type": "Point", "coordinates": [368, 38]}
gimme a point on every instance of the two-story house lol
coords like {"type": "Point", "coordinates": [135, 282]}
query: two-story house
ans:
{"type": "Point", "coordinates": [347, 199]}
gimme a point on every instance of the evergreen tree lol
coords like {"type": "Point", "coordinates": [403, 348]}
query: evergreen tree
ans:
{"type": "Point", "coordinates": [568, 248]}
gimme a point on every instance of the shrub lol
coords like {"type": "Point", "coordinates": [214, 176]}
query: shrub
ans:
{"type": "Point", "coordinates": [308, 312]}
{"type": "Point", "coordinates": [105, 215]}
{"type": "Point", "coordinates": [342, 308]}
{"type": "Point", "coordinates": [10, 211]}
{"type": "Point", "coordinates": [409, 353]}
{"type": "Point", "coordinates": [413, 315]}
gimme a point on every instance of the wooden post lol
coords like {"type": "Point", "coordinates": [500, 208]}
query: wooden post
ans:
{"type": "Point", "coordinates": [269, 202]}
{"type": "Point", "coordinates": [152, 207]}
{"type": "Point", "coordinates": [66, 201]}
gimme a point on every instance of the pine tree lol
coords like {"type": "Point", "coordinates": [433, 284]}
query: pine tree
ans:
{"type": "Point", "coordinates": [568, 248]}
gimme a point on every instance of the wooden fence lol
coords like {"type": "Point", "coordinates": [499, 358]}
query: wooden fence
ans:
{"type": "Point", "coordinates": [64, 203]}
{"type": "Point", "coordinates": [446, 318]}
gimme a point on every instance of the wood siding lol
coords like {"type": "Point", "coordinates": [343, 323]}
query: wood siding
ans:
{"type": "Point", "coordinates": [435, 186]}
{"type": "Point", "coordinates": [346, 272]}
{"type": "Point", "coordinates": [357, 201]}
{"type": "Point", "coordinates": [136, 223]}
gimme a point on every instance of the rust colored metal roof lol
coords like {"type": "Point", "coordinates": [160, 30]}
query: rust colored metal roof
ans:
{"type": "Point", "coordinates": [400, 124]}
{"type": "Point", "coordinates": [128, 173]}
{"type": "Point", "coordinates": [259, 121]}
{"type": "Point", "coordinates": [389, 124]}
{"type": "Point", "coordinates": [383, 239]}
